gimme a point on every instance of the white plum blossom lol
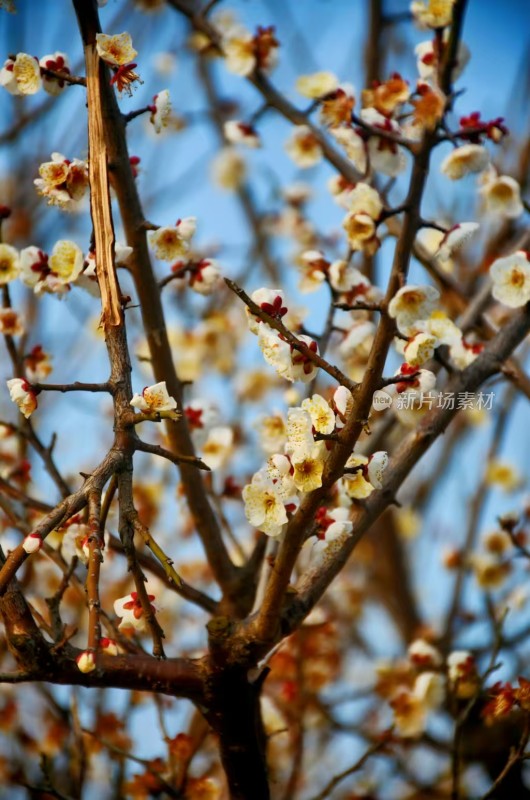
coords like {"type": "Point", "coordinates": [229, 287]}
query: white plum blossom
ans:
{"type": "Point", "coordinates": [359, 335]}
{"type": "Point", "coordinates": [314, 268]}
{"type": "Point", "coordinates": [427, 61]}
{"type": "Point", "coordinates": [63, 182]}
{"type": "Point", "coordinates": [86, 661]}
{"type": "Point", "coordinates": [21, 75]}
{"type": "Point", "coordinates": [308, 467]}
{"type": "Point", "coordinates": [218, 446]}
{"type": "Point", "coordinates": [66, 262]}
{"type": "Point", "coordinates": [423, 654]}
{"type": "Point", "coordinates": [385, 155]}
{"type": "Point", "coordinates": [131, 611]}
{"type": "Point", "coordinates": [117, 50]}
{"type": "Point", "coordinates": [272, 301]}
{"type": "Point", "coordinates": [321, 413]}
{"type": "Point", "coordinates": [276, 351]}
{"type": "Point", "coordinates": [344, 277]}
{"type": "Point", "coordinates": [500, 195]}
{"type": "Point", "coordinates": [420, 349]}
{"type": "Point", "coordinates": [376, 466]}
{"type": "Point", "coordinates": [317, 84]}
{"type": "Point", "coordinates": [280, 471]}
{"type": "Point", "coordinates": [154, 398]}
{"type": "Point", "coordinates": [353, 144]}
{"type": "Point", "coordinates": [57, 62]}
{"type": "Point", "coordinates": [32, 543]}
{"type": "Point", "coordinates": [229, 169]}
{"type": "Point", "coordinates": [160, 110]}
{"type": "Point", "coordinates": [343, 404]}
{"type": "Point", "coordinates": [455, 238]}
{"type": "Point", "coordinates": [511, 279]}
{"type": "Point", "coordinates": [432, 13]}
{"type": "Point", "coordinates": [464, 160]}
{"type": "Point", "coordinates": [300, 438]}
{"type": "Point", "coordinates": [410, 304]}
{"type": "Point", "coordinates": [205, 276]}
{"type": "Point", "coordinates": [264, 506]}
{"type": "Point", "coordinates": [23, 395]}
{"type": "Point", "coordinates": [238, 48]}
{"type": "Point", "coordinates": [303, 147]}
{"type": "Point", "coordinates": [9, 263]}
{"type": "Point", "coordinates": [333, 526]}
{"type": "Point", "coordinates": [173, 242]}
{"type": "Point", "coordinates": [355, 484]}
{"type": "Point", "coordinates": [237, 132]}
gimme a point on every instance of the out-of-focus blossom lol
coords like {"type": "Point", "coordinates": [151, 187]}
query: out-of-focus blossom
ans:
{"type": "Point", "coordinates": [511, 279]}
{"type": "Point", "coordinates": [237, 132]}
{"type": "Point", "coordinates": [22, 394]}
{"type": "Point", "coordinates": [9, 263]}
{"type": "Point", "coordinates": [455, 238]}
{"type": "Point", "coordinates": [160, 110]}
{"type": "Point", "coordinates": [500, 195]}
{"type": "Point", "coordinates": [432, 13]}
{"type": "Point", "coordinates": [464, 160]}
{"type": "Point", "coordinates": [229, 169]}
{"type": "Point", "coordinates": [410, 304]}
{"type": "Point", "coordinates": [303, 147]}
{"type": "Point", "coordinates": [317, 84]}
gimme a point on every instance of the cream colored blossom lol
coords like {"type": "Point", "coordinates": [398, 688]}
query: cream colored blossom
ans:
{"type": "Point", "coordinates": [432, 13]}
{"type": "Point", "coordinates": [317, 84]}
{"type": "Point", "coordinates": [303, 147]}
{"type": "Point", "coordinates": [66, 261]}
{"type": "Point", "coordinates": [420, 349]}
{"type": "Point", "coordinates": [455, 238]}
{"type": "Point", "coordinates": [238, 48]}
{"type": "Point", "coordinates": [57, 62]}
{"type": "Point", "coordinates": [503, 475]}
{"type": "Point", "coordinates": [377, 463]}
{"type": "Point", "coordinates": [115, 50]}
{"type": "Point", "coordinates": [423, 654]}
{"type": "Point", "coordinates": [353, 144]}
{"type": "Point", "coordinates": [385, 155]}
{"type": "Point", "coordinates": [366, 200]}
{"type": "Point", "coordinates": [229, 169]}
{"type": "Point", "coordinates": [86, 661]}
{"type": "Point", "coordinates": [272, 433]}
{"type": "Point", "coordinates": [264, 508]}
{"type": "Point", "coordinates": [500, 195]}
{"type": "Point", "coordinates": [511, 279]}
{"type": "Point", "coordinates": [173, 242]}
{"type": "Point", "coordinates": [160, 110]}
{"type": "Point", "coordinates": [23, 395]}
{"type": "Point", "coordinates": [21, 75]}
{"type": "Point", "coordinates": [218, 447]}
{"type": "Point", "coordinates": [308, 467]}
{"type": "Point", "coordinates": [9, 264]}
{"type": "Point", "coordinates": [10, 322]}
{"type": "Point", "coordinates": [63, 182]}
{"type": "Point", "coordinates": [321, 413]}
{"type": "Point", "coordinates": [299, 432]}
{"type": "Point", "coordinates": [464, 160]}
{"type": "Point", "coordinates": [410, 304]}
{"type": "Point", "coordinates": [154, 398]}
{"type": "Point", "coordinates": [237, 132]}
{"type": "Point", "coordinates": [361, 232]}
{"type": "Point", "coordinates": [355, 484]}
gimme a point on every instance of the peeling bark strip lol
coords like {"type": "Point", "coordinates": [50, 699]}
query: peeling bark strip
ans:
{"type": "Point", "coordinates": [99, 195]}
